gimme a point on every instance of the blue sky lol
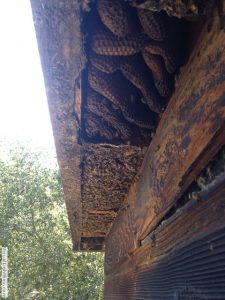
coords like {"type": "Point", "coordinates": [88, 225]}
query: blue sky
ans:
{"type": "Point", "coordinates": [23, 110]}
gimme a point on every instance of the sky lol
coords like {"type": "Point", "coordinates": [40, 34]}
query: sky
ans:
{"type": "Point", "coordinates": [23, 106]}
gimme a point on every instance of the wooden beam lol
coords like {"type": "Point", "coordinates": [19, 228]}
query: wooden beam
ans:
{"type": "Point", "coordinates": [189, 134]}
{"type": "Point", "coordinates": [183, 258]}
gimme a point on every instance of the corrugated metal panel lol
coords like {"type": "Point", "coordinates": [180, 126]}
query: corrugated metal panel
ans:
{"type": "Point", "coordinates": [195, 271]}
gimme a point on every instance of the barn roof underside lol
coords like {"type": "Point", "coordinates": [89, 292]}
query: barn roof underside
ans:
{"type": "Point", "coordinates": [96, 172]}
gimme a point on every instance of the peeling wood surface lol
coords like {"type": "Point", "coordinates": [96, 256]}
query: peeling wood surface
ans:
{"type": "Point", "coordinates": [189, 134]}
{"type": "Point", "coordinates": [182, 259]}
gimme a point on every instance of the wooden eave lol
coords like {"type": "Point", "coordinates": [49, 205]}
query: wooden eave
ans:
{"type": "Point", "coordinates": [60, 42]}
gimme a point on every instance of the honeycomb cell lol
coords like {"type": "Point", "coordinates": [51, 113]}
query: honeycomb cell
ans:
{"type": "Point", "coordinates": [115, 16]}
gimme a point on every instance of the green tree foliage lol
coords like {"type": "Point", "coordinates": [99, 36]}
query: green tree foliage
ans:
{"type": "Point", "coordinates": [33, 225]}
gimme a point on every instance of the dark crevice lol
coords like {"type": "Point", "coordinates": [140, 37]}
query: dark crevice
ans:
{"type": "Point", "coordinates": [96, 129]}
{"type": "Point", "coordinates": [209, 174]}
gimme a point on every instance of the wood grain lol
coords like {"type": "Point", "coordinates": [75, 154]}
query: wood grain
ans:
{"type": "Point", "coordinates": [121, 238]}
{"type": "Point", "coordinates": [182, 259]}
{"type": "Point", "coordinates": [190, 133]}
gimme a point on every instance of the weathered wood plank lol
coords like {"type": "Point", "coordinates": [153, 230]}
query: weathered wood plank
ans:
{"type": "Point", "coordinates": [62, 60]}
{"type": "Point", "coordinates": [193, 118]}
{"type": "Point", "coordinates": [124, 239]}
{"type": "Point", "coordinates": [183, 258]}
{"type": "Point", "coordinates": [189, 134]}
